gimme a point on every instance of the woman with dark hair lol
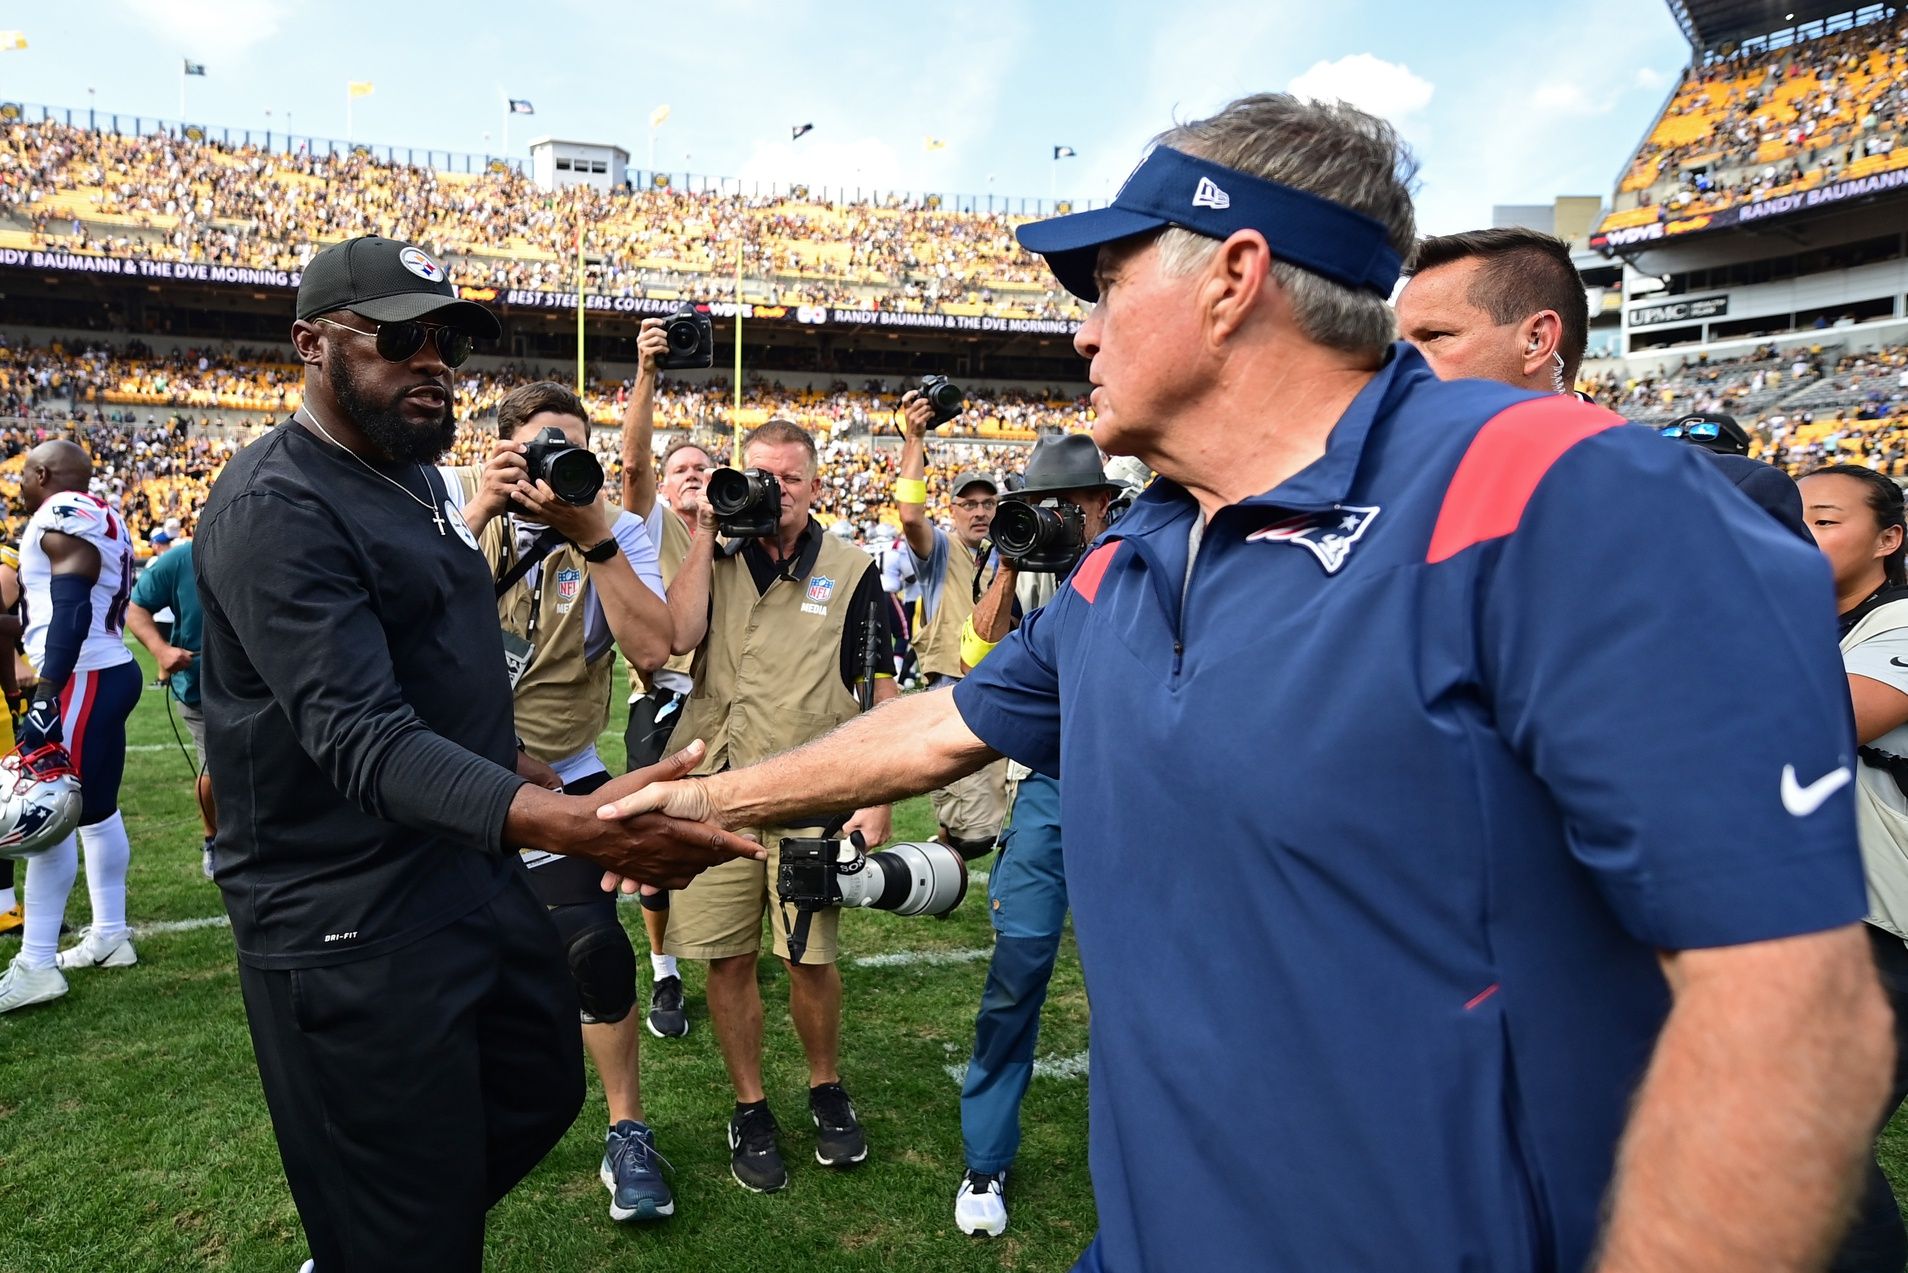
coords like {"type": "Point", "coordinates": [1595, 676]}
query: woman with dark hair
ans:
{"type": "Point", "coordinates": [1858, 519]}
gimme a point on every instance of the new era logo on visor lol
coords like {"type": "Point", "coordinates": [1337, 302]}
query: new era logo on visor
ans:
{"type": "Point", "coordinates": [414, 260]}
{"type": "Point", "coordinates": [1210, 196]}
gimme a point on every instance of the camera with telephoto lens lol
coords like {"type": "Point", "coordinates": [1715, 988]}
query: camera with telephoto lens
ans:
{"type": "Point", "coordinates": [945, 397]}
{"type": "Point", "coordinates": [1042, 538]}
{"type": "Point", "coordinates": [573, 472]}
{"type": "Point", "coordinates": [909, 879]}
{"type": "Point", "coordinates": [691, 339]}
{"type": "Point", "coordinates": [747, 503]}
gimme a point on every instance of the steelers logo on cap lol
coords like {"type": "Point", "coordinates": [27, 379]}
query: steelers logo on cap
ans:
{"type": "Point", "coordinates": [414, 260]}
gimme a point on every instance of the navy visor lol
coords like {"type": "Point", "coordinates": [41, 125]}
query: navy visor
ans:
{"type": "Point", "coordinates": [1171, 187]}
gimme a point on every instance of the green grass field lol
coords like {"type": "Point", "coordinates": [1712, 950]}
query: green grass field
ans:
{"type": "Point", "coordinates": [133, 1135]}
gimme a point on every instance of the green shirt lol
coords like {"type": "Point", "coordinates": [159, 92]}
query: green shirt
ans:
{"type": "Point", "coordinates": [168, 581]}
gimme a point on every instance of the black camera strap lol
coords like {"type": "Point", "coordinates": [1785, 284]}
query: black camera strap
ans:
{"type": "Point", "coordinates": [540, 548]}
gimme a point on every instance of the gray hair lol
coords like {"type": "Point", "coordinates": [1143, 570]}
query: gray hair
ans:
{"type": "Point", "coordinates": [1334, 151]}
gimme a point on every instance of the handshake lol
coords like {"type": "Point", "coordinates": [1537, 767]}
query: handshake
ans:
{"type": "Point", "coordinates": [647, 827]}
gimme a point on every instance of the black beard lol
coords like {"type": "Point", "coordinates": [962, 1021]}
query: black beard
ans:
{"type": "Point", "coordinates": [384, 424]}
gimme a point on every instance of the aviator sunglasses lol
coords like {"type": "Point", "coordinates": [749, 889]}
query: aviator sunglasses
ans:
{"type": "Point", "coordinates": [399, 342]}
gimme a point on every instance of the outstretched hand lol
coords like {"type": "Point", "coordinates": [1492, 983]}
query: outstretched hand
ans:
{"type": "Point", "coordinates": [649, 847]}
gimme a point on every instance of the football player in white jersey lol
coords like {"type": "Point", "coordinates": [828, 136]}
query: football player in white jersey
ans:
{"type": "Point", "coordinates": [76, 563]}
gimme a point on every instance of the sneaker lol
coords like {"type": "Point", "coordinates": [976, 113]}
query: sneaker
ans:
{"type": "Point", "coordinates": [667, 1020]}
{"type": "Point", "coordinates": [754, 1158]}
{"type": "Point", "coordinates": [309, 1266]}
{"type": "Point", "coordinates": [981, 1204]}
{"type": "Point", "coordinates": [12, 921]}
{"type": "Point", "coordinates": [631, 1173]}
{"type": "Point", "coordinates": [95, 951]}
{"type": "Point", "coordinates": [838, 1138]}
{"type": "Point", "coordinates": [22, 986]}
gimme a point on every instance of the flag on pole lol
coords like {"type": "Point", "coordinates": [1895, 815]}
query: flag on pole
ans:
{"type": "Point", "coordinates": [12, 39]}
{"type": "Point", "coordinates": [800, 131]}
{"type": "Point", "coordinates": [933, 144]}
{"type": "Point", "coordinates": [657, 116]}
{"type": "Point", "coordinates": [358, 88]}
{"type": "Point", "coordinates": [1063, 152]}
{"type": "Point", "coordinates": [521, 106]}
{"type": "Point", "coordinates": [194, 68]}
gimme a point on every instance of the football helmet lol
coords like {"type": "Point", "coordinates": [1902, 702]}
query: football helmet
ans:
{"type": "Point", "coordinates": [39, 800]}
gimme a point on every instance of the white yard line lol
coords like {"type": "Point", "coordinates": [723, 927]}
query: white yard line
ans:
{"type": "Point", "coordinates": [181, 925]}
{"type": "Point", "coordinates": [932, 958]}
{"type": "Point", "coordinates": [1061, 1067]}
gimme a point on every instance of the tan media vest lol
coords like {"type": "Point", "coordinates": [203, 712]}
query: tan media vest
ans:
{"type": "Point", "coordinates": [562, 702]}
{"type": "Point", "coordinates": [938, 644]}
{"type": "Point", "coordinates": [768, 674]}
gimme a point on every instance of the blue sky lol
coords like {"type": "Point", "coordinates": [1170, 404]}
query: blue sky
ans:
{"type": "Point", "coordinates": [1503, 103]}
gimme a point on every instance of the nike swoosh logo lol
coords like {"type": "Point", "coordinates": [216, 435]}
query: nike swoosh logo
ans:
{"type": "Point", "coordinates": [1898, 663]}
{"type": "Point", "coordinates": [1801, 801]}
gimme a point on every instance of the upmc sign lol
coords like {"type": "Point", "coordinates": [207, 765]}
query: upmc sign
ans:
{"type": "Point", "coordinates": [1679, 311]}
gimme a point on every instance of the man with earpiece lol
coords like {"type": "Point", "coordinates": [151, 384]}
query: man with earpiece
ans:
{"type": "Point", "coordinates": [1503, 304]}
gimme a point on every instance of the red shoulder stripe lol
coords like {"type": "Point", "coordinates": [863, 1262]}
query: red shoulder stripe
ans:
{"type": "Point", "coordinates": [1086, 580]}
{"type": "Point", "coordinates": [1506, 460]}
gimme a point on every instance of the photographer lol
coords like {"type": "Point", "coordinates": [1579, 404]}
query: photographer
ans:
{"type": "Point", "coordinates": [783, 626]}
{"type": "Point", "coordinates": [582, 581]}
{"type": "Point", "coordinates": [950, 573]}
{"type": "Point", "coordinates": [656, 699]}
{"type": "Point", "coordinates": [1027, 887]}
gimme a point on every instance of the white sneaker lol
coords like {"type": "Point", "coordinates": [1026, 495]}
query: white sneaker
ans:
{"type": "Point", "coordinates": [22, 986]}
{"type": "Point", "coordinates": [981, 1205]}
{"type": "Point", "coordinates": [95, 951]}
{"type": "Point", "coordinates": [308, 1266]}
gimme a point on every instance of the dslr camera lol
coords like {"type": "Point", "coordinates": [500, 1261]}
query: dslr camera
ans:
{"type": "Point", "coordinates": [908, 879]}
{"type": "Point", "coordinates": [573, 472]}
{"type": "Point", "coordinates": [1039, 536]}
{"type": "Point", "coordinates": [747, 503]}
{"type": "Point", "coordinates": [691, 339]}
{"type": "Point", "coordinates": [945, 397]}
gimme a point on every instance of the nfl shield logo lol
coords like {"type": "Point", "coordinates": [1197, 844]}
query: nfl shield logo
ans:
{"type": "Point", "coordinates": [569, 582]}
{"type": "Point", "coordinates": [820, 588]}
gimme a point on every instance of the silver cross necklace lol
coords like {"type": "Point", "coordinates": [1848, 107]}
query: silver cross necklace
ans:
{"type": "Point", "coordinates": [437, 518]}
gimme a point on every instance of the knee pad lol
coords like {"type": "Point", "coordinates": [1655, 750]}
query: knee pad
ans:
{"type": "Point", "coordinates": [969, 847]}
{"type": "Point", "coordinates": [657, 901]}
{"type": "Point", "coordinates": [603, 967]}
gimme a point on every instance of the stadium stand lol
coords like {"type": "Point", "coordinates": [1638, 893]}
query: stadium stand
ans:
{"type": "Point", "coordinates": [1769, 122]}
{"type": "Point", "coordinates": [162, 197]}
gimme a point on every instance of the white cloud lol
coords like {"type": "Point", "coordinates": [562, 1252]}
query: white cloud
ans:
{"type": "Point", "coordinates": [1564, 97]}
{"type": "Point", "coordinates": [1372, 84]}
{"type": "Point", "coordinates": [1648, 77]}
{"type": "Point", "coordinates": [207, 30]}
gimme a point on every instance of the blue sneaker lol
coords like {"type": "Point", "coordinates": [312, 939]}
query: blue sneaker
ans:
{"type": "Point", "coordinates": [632, 1173]}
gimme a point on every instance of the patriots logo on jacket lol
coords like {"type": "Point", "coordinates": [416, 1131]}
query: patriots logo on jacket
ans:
{"type": "Point", "coordinates": [1329, 534]}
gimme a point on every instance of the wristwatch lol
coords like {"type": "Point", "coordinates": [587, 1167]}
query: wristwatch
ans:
{"type": "Point", "coordinates": [601, 552]}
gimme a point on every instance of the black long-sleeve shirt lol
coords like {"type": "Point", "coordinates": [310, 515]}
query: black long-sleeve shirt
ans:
{"type": "Point", "coordinates": [358, 717]}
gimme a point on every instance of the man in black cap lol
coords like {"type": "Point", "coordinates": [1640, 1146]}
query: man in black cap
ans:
{"type": "Point", "coordinates": [409, 1004]}
{"type": "Point", "coordinates": [952, 567]}
{"type": "Point", "coordinates": [1726, 443]}
{"type": "Point", "coordinates": [1027, 887]}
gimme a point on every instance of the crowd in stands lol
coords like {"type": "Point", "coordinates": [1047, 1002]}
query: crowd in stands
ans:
{"type": "Point", "coordinates": [160, 425]}
{"type": "Point", "coordinates": [1763, 123]}
{"type": "Point", "coordinates": [168, 198]}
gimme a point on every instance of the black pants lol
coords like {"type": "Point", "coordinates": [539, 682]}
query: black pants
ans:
{"type": "Point", "coordinates": [1876, 1242]}
{"type": "Point", "coordinates": [410, 1091]}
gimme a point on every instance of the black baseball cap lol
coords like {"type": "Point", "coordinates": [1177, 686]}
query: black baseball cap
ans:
{"type": "Point", "coordinates": [388, 281]}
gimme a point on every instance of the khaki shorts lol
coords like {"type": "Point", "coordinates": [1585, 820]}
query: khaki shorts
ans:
{"type": "Point", "coordinates": [720, 913]}
{"type": "Point", "coordinates": [974, 807]}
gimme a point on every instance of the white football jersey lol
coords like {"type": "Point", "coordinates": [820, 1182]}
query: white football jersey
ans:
{"type": "Point", "coordinates": [89, 518]}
